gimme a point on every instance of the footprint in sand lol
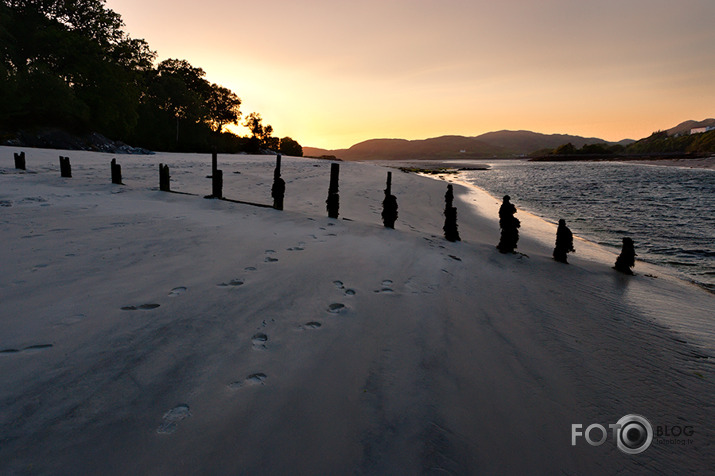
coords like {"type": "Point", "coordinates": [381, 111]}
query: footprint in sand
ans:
{"type": "Point", "coordinates": [336, 308]}
{"type": "Point", "coordinates": [339, 284]}
{"type": "Point", "coordinates": [177, 291]}
{"type": "Point", "coordinates": [270, 259]}
{"type": "Point", "coordinates": [233, 282]}
{"type": "Point", "coordinates": [386, 287]}
{"type": "Point", "coordinates": [29, 349]}
{"type": "Point", "coordinates": [37, 347]}
{"type": "Point", "coordinates": [172, 418]}
{"type": "Point", "coordinates": [350, 292]}
{"type": "Point", "coordinates": [253, 379]}
{"type": "Point", "coordinates": [313, 325]}
{"type": "Point", "coordinates": [70, 320]}
{"type": "Point", "coordinates": [250, 268]}
{"type": "Point", "coordinates": [259, 341]}
{"type": "Point", "coordinates": [142, 307]}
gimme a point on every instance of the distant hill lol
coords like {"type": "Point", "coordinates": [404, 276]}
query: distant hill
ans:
{"type": "Point", "coordinates": [501, 144]}
{"type": "Point", "coordinates": [678, 140]}
{"type": "Point", "coordinates": [526, 142]}
{"type": "Point", "coordinates": [685, 127]}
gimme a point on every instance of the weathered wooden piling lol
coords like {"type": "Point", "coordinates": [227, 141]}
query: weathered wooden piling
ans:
{"type": "Point", "coordinates": [65, 167]}
{"type": "Point", "coordinates": [216, 177]}
{"type": "Point", "coordinates": [164, 178]}
{"type": "Point", "coordinates": [20, 160]}
{"type": "Point", "coordinates": [279, 186]}
{"type": "Point", "coordinates": [389, 205]}
{"type": "Point", "coordinates": [450, 216]}
{"type": "Point", "coordinates": [116, 172]}
{"type": "Point", "coordinates": [509, 227]}
{"type": "Point", "coordinates": [217, 184]}
{"type": "Point", "coordinates": [333, 201]}
{"type": "Point", "coordinates": [627, 259]}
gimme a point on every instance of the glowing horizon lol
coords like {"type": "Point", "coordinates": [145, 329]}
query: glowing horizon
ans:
{"type": "Point", "coordinates": [332, 74]}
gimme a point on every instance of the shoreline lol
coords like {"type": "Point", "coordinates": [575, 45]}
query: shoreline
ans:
{"type": "Point", "coordinates": [448, 177]}
{"type": "Point", "coordinates": [543, 230]}
{"type": "Point", "coordinates": [698, 163]}
{"type": "Point", "coordinates": [452, 171]}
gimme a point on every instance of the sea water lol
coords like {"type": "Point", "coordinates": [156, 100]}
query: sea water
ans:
{"type": "Point", "coordinates": [669, 212]}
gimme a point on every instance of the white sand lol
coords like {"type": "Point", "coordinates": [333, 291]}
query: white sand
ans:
{"type": "Point", "coordinates": [446, 358]}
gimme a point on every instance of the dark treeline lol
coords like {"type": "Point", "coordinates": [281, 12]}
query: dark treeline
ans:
{"type": "Point", "coordinates": [68, 64]}
{"type": "Point", "coordinates": [662, 142]}
{"type": "Point", "coordinates": [659, 142]}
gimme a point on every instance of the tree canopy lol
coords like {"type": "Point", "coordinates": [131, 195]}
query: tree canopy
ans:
{"type": "Point", "coordinates": [659, 142]}
{"type": "Point", "coordinates": [68, 64]}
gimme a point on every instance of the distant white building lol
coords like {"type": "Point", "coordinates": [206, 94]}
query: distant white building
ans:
{"type": "Point", "coordinates": [700, 130]}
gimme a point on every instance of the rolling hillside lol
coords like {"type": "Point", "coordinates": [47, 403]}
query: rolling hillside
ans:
{"type": "Point", "coordinates": [501, 144]}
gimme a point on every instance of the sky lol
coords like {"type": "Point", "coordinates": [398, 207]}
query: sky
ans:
{"type": "Point", "coordinates": [330, 74]}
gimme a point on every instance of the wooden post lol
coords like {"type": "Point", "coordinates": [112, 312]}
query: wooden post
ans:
{"type": "Point", "coordinates": [116, 172]}
{"type": "Point", "coordinates": [65, 167]}
{"type": "Point", "coordinates": [389, 205]}
{"type": "Point", "coordinates": [451, 232]}
{"type": "Point", "coordinates": [333, 201]}
{"type": "Point", "coordinates": [216, 177]}
{"type": "Point", "coordinates": [217, 184]}
{"type": "Point", "coordinates": [20, 160]}
{"type": "Point", "coordinates": [164, 178]}
{"type": "Point", "coordinates": [279, 186]}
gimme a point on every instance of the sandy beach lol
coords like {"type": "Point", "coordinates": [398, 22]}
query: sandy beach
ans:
{"type": "Point", "coordinates": [145, 332]}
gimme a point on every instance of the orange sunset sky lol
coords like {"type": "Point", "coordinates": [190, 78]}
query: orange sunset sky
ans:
{"type": "Point", "coordinates": [333, 73]}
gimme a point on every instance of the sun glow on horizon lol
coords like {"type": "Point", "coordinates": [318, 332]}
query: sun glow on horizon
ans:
{"type": "Point", "coordinates": [330, 74]}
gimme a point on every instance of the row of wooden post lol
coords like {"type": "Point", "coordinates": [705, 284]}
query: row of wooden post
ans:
{"type": "Point", "coordinates": [389, 205]}
{"type": "Point", "coordinates": [389, 213]}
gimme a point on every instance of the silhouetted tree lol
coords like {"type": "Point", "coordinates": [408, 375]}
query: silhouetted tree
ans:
{"type": "Point", "coordinates": [69, 64]}
{"type": "Point", "coordinates": [509, 226]}
{"type": "Point", "coordinates": [223, 107]}
{"type": "Point", "coordinates": [389, 205]}
{"type": "Point", "coordinates": [264, 134]}
{"type": "Point", "coordinates": [627, 259]}
{"type": "Point", "coordinates": [290, 147]}
{"type": "Point", "coordinates": [566, 149]}
{"type": "Point", "coordinates": [450, 216]}
{"type": "Point", "coordinates": [564, 242]}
